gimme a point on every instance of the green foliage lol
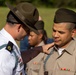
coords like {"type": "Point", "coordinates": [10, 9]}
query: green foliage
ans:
{"type": "Point", "coordinates": [65, 3]}
{"type": "Point", "coordinates": [46, 3]}
{"type": "Point", "coordinates": [2, 2]}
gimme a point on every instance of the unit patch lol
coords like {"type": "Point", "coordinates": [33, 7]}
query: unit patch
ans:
{"type": "Point", "coordinates": [9, 46]}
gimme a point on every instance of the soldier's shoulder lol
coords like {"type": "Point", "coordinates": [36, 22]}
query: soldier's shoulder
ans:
{"type": "Point", "coordinates": [9, 46]}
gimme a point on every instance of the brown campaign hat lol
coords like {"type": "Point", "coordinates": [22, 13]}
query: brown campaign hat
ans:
{"type": "Point", "coordinates": [26, 13]}
{"type": "Point", "coordinates": [65, 15]}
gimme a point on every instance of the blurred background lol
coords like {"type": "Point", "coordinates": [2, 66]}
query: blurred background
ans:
{"type": "Point", "coordinates": [46, 9]}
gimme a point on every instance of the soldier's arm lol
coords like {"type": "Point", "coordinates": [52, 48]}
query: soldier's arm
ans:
{"type": "Point", "coordinates": [31, 53]}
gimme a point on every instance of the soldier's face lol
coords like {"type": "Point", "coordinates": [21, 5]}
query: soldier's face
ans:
{"type": "Point", "coordinates": [33, 39]}
{"type": "Point", "coordinates": [61, 35]}
{"type": "Point", "coordinates": [21, 32]}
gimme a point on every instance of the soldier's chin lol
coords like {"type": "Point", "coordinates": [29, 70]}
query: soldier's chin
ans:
{"type": "Point", "coordinates": [56, 43]}
{"type": "Point", "coordinates": [59, 45]}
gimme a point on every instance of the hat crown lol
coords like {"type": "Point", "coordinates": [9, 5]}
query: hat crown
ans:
{"type": "Point", "coordinates": [26, 13]}
{"type": "Point", "coordinates": [29, 12]}
{"type": "Point", "coordinates": [64, 15]}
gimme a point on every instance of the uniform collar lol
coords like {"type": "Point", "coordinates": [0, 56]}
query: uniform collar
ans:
{"type": "Point", "coordinates": [70, 48]}
{"type": "Point", "coordinates": [8, 37]}
{"type": "Point", "coordinates": [41, 43]}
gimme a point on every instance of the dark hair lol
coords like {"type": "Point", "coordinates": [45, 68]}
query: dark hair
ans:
{"type": "Point", "coordinates": [11, 18]}
{"type": "Point", "coordinates": [71, 26]}
{"type": "Point", "coordinates": [44, 38]}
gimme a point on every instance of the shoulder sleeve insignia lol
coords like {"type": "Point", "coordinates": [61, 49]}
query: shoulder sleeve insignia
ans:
{"type": "Point", "coordinates": [9, 46]}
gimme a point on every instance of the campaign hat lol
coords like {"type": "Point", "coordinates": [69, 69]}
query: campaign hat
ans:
{"type": "Point", "coordinates": [26, 13]}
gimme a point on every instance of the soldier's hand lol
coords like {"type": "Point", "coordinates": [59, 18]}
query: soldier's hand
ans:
{"type": "Point", "coordinates": [47, 47]}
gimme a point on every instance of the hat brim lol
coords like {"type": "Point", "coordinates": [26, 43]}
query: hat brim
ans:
{"type": "Point", "coordinates": [18, 15]}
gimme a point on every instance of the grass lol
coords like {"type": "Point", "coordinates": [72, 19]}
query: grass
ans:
{"type": "Point", "coordinates": [3, 14]}
{"type": "Point", "coordinates": [47, 15]}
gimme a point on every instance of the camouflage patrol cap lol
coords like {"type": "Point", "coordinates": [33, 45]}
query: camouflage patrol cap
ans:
{"type": "Point", "coordinates": [65, 15]}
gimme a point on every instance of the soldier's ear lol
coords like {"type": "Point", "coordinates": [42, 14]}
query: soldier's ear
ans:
{"type": "Point", "coordinates": [19, 26]}
{"type": "Point", "coordinates": [40, 35]}
{"type": "Point", "coordinates": [73, 33]}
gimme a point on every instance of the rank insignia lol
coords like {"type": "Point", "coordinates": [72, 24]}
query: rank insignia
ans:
{"type": "Point", "coordinates": [9, 46]}
{"type": "Point", "coordinates": [64, 69]}
{"type": "Point", "coordinates": [35, 63]}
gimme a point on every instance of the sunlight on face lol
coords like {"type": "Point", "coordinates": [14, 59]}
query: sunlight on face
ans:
{"type": "Point", "coordinates": [61, 35]}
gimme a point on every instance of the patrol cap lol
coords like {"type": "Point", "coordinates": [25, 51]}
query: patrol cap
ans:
{"type": "Point", "coordinates": [65, 15]}
{"type": "Point", "coordinates": [39, 25]}
{"type": "Point", "coordinates": [26, 13]}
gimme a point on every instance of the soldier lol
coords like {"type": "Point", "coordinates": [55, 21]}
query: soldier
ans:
{"type": "Point", "coordinates": [19, 20]}
{"type": "Point", "coordinates": [62, 57]}
{"type": "Point", "coordinates": [35, 40]}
